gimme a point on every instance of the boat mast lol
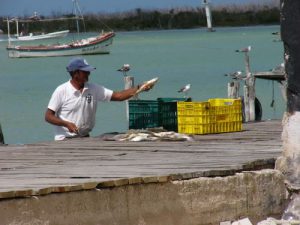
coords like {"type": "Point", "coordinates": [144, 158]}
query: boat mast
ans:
{"type": "Point", "coordinates": [17, 27]}
{"type": "Point", "coordinates": [8, 31]}
{"type": "Point", "coordinates": [78, 14]}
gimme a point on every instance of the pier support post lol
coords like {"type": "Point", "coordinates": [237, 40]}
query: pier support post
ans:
{"type": "Point", "coordinates": [249, 99]}
{"type": "Point", "coordinates": [233, 89]}
{"type": "Point", "coordinates": [289, 162]}
{"type": "Point", "coordinates": [1, 136]}
{"type": "Point", "coordinates": [249, 89]}
{"type": "Point", "coordinates": [128, 83]}
{"type": "Point", "coordinates": [250, 83]}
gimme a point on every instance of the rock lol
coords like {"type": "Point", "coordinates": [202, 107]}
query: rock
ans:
{"type": "Point", "coordinates": [244, 221]}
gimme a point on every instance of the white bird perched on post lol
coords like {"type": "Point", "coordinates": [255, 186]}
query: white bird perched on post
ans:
{"type": "Point", "coordinates": [124, 69]}
{"type": "Point", "coordinates": [185, 89]}
{"type": "Point", "coordinates": [248, 49]}
{"type": "Point", "coordinates": [235, 75]}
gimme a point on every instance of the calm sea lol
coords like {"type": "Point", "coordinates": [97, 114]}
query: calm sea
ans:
{"type": "Point", "coordinates": [177, 57]}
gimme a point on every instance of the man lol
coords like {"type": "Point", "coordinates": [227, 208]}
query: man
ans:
{"type": "Point", "coordinates": [72, 107]}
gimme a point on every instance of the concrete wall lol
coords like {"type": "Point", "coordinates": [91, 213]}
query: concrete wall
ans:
{"type": "Point", "coordinates": [197, 201]}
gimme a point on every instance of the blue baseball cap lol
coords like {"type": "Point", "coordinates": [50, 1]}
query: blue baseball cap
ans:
{"type": "Point", "coordinates": [79, 64]}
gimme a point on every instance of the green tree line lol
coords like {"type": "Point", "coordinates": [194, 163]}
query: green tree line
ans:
{"type": "Point", "coordinates": [140, 19]}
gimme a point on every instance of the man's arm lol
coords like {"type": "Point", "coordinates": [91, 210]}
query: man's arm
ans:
{"type": "Point", "coordinates": [130, 92]}
{"type": "Point", "coordinates": [124, 95]}
{"type": "Point", "coordinates": [50, 117]}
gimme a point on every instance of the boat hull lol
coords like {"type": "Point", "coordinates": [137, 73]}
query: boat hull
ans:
{"type": "Point", "coordinates": [59, 34]}
{"type": "Point", "coordinates": [100, 45]}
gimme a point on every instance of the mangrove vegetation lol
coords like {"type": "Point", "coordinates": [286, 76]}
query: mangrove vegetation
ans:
{"type": "Point", "coordinates": [177, 18]}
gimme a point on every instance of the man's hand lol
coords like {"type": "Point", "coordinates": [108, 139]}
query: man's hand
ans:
{"type": "Point", "coordinates": [71, 127]}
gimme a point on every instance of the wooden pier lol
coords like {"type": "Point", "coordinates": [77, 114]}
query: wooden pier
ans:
{"type": "Point", "coordinates": [80, 164]}
{"type": "Point", "coordinates": [90, 181]}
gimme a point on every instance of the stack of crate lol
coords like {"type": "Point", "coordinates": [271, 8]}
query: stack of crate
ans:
{"type": "Point", "coordinates": [195, 118]}
{"type": "Point", "coordinates": [213, 116]}
{"type": "Point", "coordinates": [228, 114]}
{"type": "Point", "coordinates": [146, 113]}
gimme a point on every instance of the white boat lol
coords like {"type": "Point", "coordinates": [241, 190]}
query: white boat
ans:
{"type": "Point", "coordinates": [94, 45]}
{"type": "Point", "coordinates": [20, 36]}
{"type": "Point", "coordinates": [32, 37]}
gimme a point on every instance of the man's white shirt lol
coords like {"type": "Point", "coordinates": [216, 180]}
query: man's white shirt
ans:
{"type": "Point", "coordinates": [77, 107]}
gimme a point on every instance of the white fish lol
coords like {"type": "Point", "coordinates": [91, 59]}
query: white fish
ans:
{"type": "Point", "coordinates": [146, 135]}
{"type": "Point", "coordinates": [147, 84]}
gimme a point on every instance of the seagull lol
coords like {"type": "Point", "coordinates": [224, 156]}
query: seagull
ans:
{"type": "Point", "coordinates": [248, 49]}
{"type": "Point", "coordinates": [235, 75]}
{"type": "Point", "coordinates": [185, 89]}
{"type": "Point", "coordinates": [125, 68]}
{"type": "Point", "coordinates": [279, 68]}
{"type": "Point", "coordinates": [35, 16]}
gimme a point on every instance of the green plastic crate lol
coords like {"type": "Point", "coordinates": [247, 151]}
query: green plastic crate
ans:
{"type": "Point", "coordinates": [168, 112]}
{"type": "Point", "coordinates": [153, 113]}
{"type": "Point", "coordinates": [172, 99]}
{"type": "Point", "coordinates": [168, 115]}
{"type": "Point", "coordinates": [143, 114]}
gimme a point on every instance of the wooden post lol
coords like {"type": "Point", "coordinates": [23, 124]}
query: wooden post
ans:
{"type": "Point", "coordinates": [1, 136]}
{"type": "Point", "coordinates": [249, 91]}
{"type": "Point", "coordinates": [246, 104]}
{"type": "Point", "coordinates": [247, 64]}
{"type": "Point", "coordinates": [128, 83]}
{"type": "Point", "coordinates": [233, 89]}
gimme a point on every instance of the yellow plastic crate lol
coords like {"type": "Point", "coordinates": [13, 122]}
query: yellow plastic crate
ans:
{"type": "Point", "coordinates": [213, 116]}
{"type": "Point", "coordinates": [197, 129]}
{"type": "Point", "coordinates": [223, 127]}
{"type": "Point", "coordinates": [200, 119]}
{"type": "Point", "coordinates": [213, 128]}
{"type": "Point", "coordinates": [226, 110]}
{"type": "Point", "coordinates": [224, 102]}
{"type": "Point", "coordinates": [193, 108]}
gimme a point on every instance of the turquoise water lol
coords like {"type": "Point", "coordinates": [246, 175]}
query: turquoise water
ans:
{"type": "Point", "coordinates": [177, 57]}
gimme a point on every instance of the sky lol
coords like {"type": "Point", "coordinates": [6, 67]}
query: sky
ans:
{"type": "Point", "coordinates": [13, 8]}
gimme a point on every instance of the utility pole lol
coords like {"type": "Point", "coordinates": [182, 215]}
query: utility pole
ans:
{"type": "Point", "coordinates": [289, 162]}
{"type": "Point", "coordinates": [208, 15]}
